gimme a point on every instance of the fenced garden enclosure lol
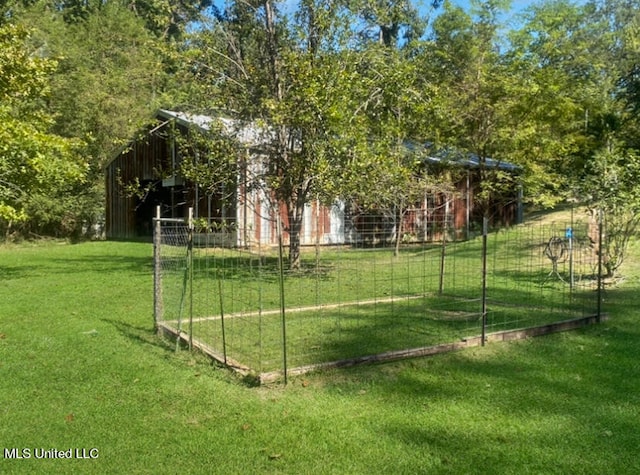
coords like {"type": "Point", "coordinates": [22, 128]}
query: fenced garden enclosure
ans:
{"type": "Point", "coordinates": [360, 302]}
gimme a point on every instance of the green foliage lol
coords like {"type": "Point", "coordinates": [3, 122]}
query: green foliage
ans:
{"type": "Point", "coordinates": [340, 85]}
{"type": "Point", "coordinates": [34, 163]}
{"type": "Point", "coordinates": [211, 159]}
{"type": "Point", "coordinates": [110, 76]}
{"type": "Point", "coordinates": [383, 21]}
{"type": "Point", "coordinates": [613, 196]}
{"type": "Point", "coordinates": [481, 94]}
{"type": "Point", "coordinates": [298, 82]}
{"type": "Point", "coordinates": [165, 19]}
{"type": "Point", "coordinates": [24, 76]}
{"type": "Point", "coordinates": [102, 75]}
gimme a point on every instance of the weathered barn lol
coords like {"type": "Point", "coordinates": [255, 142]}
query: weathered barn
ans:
{"type": "Point", "coordinates": [503, 208]}
{"type": "Point", "coordinates": [143, 176]}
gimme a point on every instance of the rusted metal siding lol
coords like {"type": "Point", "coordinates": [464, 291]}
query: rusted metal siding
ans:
{"type": "Point", "coordinates": [257, 221]}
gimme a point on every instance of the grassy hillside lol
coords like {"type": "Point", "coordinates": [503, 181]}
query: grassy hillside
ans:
{"type": "Point", "coordinates": [81, 368]}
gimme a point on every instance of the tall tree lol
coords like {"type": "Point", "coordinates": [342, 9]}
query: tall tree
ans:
{"type": "Point", "coordinates": [611, 166]}
{"type": "Point", "coordinates": [384, 21]}
{"type": "Point", "coordinates": [610, 190]}
{"type": "Point", "coordinates": [580, 61]}
{"type": "Point", "coordinates": [479, 93]}
{"type": "Point", "coordinates": [296, 79]}
{"type": "Point", "coordinates": [110, 77]}
{"type": "Point", "coordinates": [388, 177]}
{"type": "Point", "coordinates": [39, 170]}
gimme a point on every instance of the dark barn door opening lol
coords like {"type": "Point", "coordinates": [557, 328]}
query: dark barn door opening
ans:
{"type": "Point", "coordinates": [146, 208]}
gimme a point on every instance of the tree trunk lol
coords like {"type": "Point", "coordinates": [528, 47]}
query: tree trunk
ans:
{"type": "Point", "coordinates": [399, 218]}
{"type": "Point", "coordinates": [272, 45]}
{"type": "Point", "coordinates": [295, 224]}
{"type": "Point", "coordinates": [295, 214]}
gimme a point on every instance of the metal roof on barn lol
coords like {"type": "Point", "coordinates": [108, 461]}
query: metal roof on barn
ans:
{"type": "Point", "coordinates": [255, 136]}
{"type": "Point", "coordinates": [451, 156]}
{"type": "Point", "coordinates": [247, 134]}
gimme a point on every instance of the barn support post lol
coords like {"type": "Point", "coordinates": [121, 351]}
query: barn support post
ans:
{"type": "Point", "coordinates": [157, 275]}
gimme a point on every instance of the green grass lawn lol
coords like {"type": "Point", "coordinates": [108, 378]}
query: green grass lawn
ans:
{"type": "Point", "coordinates": [81, 368]}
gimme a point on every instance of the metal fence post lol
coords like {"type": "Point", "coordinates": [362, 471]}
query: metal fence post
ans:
{"type": "Point", "coordinates": [190, 267]}
{"type": "Point", "coordinates": [485, 226]}
{"type": "Point", "coordinates": [157, 272]}
{"type": "Point", "coordinates": [282, 300]}
{"type": "Point", "coordinates": [443, 253]}
{"type": "Point", "coordinates": [600, 283]}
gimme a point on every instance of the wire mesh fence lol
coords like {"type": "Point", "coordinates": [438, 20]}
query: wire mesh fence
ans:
{"type": "Point", "coordinates": [369, 299]}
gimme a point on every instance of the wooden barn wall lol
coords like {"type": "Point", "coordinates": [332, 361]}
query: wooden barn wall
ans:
{"type": "Point", "coordinates": [426, 221]}
{"type": "Point", "coordinates": [503, 207]}
{"type": "Point", "coordinates": [141, 160]}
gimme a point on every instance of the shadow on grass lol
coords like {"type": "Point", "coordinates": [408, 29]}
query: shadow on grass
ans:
{"type": "Point", "coordinates": [140, 335]}
{"type": "Point", "coordinates": [577, 391]}
{"type": "Point", "coordinates": [588, 387]}
{"type": "Point", "coordinates": [17, 272]}
{"type": "Point", "coordinates": [559, 404]}
{"type": "Point", "coordinates": [106, 264]}
{"type": "Point", "coordinates": [90, 265]}
{"type": "Point", "coordinates": [323, 335]}
{"type": "Point", "coordinates": [145, 336]}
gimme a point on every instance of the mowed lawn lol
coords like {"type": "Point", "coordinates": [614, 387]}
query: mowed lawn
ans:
{"type": "Point", "coordinates": [82, 370]}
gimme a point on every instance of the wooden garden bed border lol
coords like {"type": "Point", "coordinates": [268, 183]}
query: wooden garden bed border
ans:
{"type": "Point", "coordinates": [467, 342]}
